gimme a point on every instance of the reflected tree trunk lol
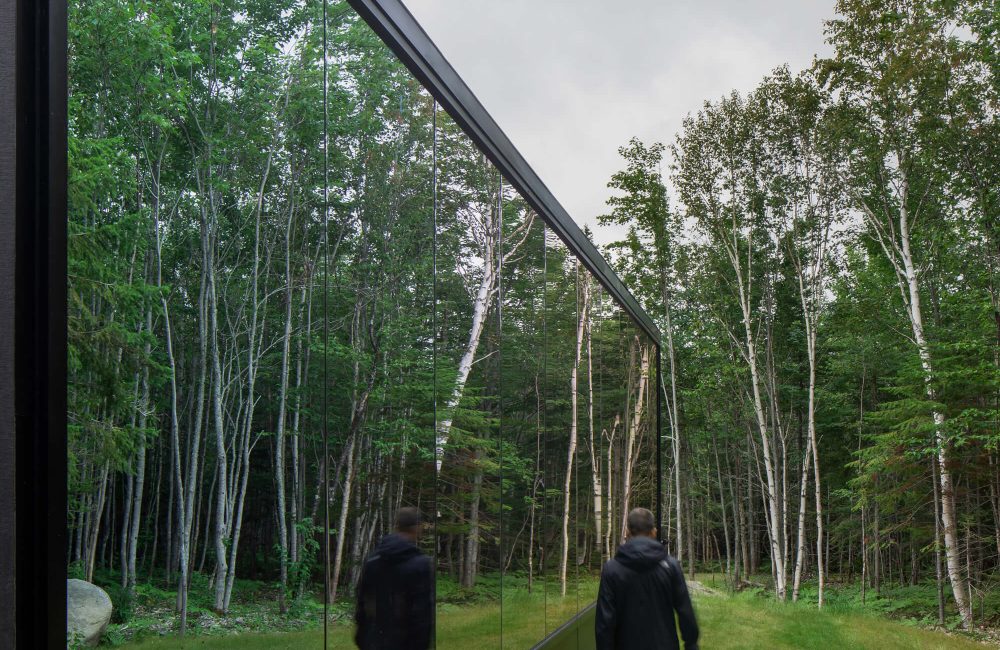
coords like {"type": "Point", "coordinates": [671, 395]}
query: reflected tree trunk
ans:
{"type": "Point", "coordinates": [583, 307]}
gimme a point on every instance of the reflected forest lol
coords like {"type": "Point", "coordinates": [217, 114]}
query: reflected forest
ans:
{"type": "Point", "coordinates": [301, 298]}
{"type": "Point", "coordinates": [299, 293]}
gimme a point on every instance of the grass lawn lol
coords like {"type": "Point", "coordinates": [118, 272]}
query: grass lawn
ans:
{"type": "Point", "coordinates": [526, 618]}
{"type": "Point", "coordinates": [742, 621]}
{"type": "Point", "coordinates": [748, 622]}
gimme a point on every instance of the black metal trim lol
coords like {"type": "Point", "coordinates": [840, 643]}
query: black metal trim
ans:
{"type": "Point", "coordinates": [8, 251]}
{"type": "Point", "coordinates": [659, 442]}
{"type": "Point", "coordinates": [553, 638]}
{"type": "Point", "coordinates": [35, 151]}
{"type": "Point", "coordinates": [397, 27]}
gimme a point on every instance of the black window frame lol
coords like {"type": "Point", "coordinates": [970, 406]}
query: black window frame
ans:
{"type": "Point", "coordinates": [33, 310]}
{"type": "Point", "coordinates": [32, 323]}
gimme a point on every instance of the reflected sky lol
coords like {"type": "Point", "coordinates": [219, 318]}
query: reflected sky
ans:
{"type": "Point", "coordinates": [570, 82]}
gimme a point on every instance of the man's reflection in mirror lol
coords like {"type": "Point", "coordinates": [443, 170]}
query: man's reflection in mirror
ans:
{"type": "Point", "coordinates": [395, 604]}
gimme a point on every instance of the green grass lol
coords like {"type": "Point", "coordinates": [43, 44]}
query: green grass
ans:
{"type": "Point", "coordinates": [745, 621]}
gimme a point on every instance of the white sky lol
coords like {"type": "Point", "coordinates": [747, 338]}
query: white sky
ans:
{"type": "Point", "coordinates": [569, 81]}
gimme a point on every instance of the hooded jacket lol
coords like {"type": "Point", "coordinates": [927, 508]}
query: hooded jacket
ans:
{"type": "Point", "coordinates": [642, 588]}
{"type": "Point", "coordinates": [394, 602]}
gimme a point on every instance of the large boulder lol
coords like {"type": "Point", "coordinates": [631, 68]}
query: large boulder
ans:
{"type": "Point", "coordinates": [88, 611]}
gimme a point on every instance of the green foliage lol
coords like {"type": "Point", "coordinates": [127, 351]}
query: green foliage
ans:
{"type": "Point", "coordinates": [208, 216]}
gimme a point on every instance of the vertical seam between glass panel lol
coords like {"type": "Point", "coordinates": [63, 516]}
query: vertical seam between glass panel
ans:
{"type": "Point", "coordinates": [599, 456]}
{"type": "Point", "coordinates": [434, 335]}
{"type": "Point", "coordinates": [326, 335]}
{"type": "Point", "coordinates": [659, 443]}
{"type": "Point", "coordinates": [581, 311]}
{"type": "Point", "coordinates": [500, 382]}
{"type": "Point", "coordinates": [545, 421]}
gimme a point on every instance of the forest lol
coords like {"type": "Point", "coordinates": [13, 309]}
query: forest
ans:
{"type": "Point", "coordinates": [823, 257]}
{"type": "Point", "coordinates": [300, 297]}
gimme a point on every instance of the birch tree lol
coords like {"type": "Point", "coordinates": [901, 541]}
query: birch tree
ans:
{"type": "Point", "coordinates": [640, 203]}
{"type": "Point", "coordinates": [719, 164]}
{"type": "Point", "coordinates": [808, 191]}
{"type": "Point", "coordinates": [583, 316]}
{"type": "Point", "coordinates": [894, 181]}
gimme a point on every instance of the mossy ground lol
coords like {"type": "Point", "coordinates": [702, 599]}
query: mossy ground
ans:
{"type": "Point", "coordinates": [468, 620]}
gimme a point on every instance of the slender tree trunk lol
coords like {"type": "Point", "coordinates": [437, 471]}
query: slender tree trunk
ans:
{"type": "Point", "coordinates": [140, 467]}
{"type": "Point", "coordinates": [342, 520]}
{"type": "Point", "coordinates": [896, 245]}
{"type": "Point", "coordinates": [470, 564]}
{"type": "Point", "coordinates": [992, 478]}
{"type": "Point", "coordinates": [772, 497]}
{"type": "Point", "coordinates": [480, 307]}
{"type": "Point", "coordinates": [811, 289]}
{"type": "Point", "coordinates": [95, 523]}
{"type": "Point", "coordinates": [938, 573]}
{"type": "Point", "coordinates": [595, 457]}
{"type": "Point", "coordinates": [821, 557]}
{"type": "Point", "coordinates": [633, 431]}
{"type": "Point", "coordinates": [539, 405]}
{"type": "Point", "coordinates": [581, 326]}
{"type": "Point", "coordinates": [129, 484]}
{"type": "Point", "coordinates": [722, 506]}
{"type": "Point", "coordinates": [301, 370]}
{"type": "Point", "coordinates": [279, 436]}
{"type": "Point", "coordinates": [240, 498]}
{"type": "Point", "coordinates": [949, 519]}
{"type": "Point", "coordinates": [222, 473]}
{"type": "Point", "coordinates": [673, 415]}
{"type": "Point", "coordinates": [609, 522]}
{"type": "Point", "coordinates": [801, 548]}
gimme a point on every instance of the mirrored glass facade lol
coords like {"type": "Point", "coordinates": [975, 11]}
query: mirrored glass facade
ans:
{"type": "Point", "coordinates": [302, 297]}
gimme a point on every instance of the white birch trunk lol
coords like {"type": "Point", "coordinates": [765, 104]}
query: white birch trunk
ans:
{"type": "Point", "coordinates": [949, 520]}
{"type": "Point", "coordinates": [674, 418]}
{"type": "Point", "coordinates": [771, 497]}
{"type": "Point", "coordinates": [899, 254]}
{"type": "Point", "coordinates": [817, 486]}
{"type": "Point", "coordinates": [811, 290]}
{"type": "Point", "coordinates": [480, 306]}
{"type": "Point", "coordinates": [595, 458]}
{"type": "Point", "coordinates": [492, 259]}
{"type": "Point", "coordinates": [609, 482]}
{"type": "Point", "coordinates": [633, 430]}
{"type": "Point", "coordinates": [222, 473]}
{"type": "Point", "coordinates": [342, 519]}
{"type": "Point", "coordinates": [800, 550]}
{"type": "Point", "coordinates": [177, 478]}
{"type": "Point", "coordinates": [571, 451]}
{"type": "Point", "coordinates": [279, 435]}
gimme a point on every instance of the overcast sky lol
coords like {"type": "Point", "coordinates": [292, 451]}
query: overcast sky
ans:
{"type": "Point", "coordinates": [569, 81]}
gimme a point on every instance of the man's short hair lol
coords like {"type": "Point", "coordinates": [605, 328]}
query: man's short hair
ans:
{"type": "Point", "coordinates": [640, 522]}
{"type": "Point", "coordinates": [408, 518]}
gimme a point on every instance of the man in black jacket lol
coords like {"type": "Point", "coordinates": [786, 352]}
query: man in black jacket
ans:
{"type": "Point", "coordinates": [395, 607]}
{"type": "Point", "coordinates": [642, 588]}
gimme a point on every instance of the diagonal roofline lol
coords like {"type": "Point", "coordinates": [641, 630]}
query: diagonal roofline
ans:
{"type": "Point", "coordinates": [397, 27]}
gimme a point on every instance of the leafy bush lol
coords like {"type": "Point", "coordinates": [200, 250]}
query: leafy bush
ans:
{"type": "Point", "coordinates": [122, 603]}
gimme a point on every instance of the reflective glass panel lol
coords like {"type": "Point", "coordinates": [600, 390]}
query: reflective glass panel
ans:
{"type": "Point", "coordinates": [469, 435]}
{"type": "Point", "coordinates": [522, 390]}
{"type": "Point", "coordinates": [561, 429]}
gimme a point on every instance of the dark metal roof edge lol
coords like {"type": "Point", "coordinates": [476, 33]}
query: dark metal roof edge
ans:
{"type": "Point", "coordinates": [397, 27]}
{"type": "Point", "coordinates": [568, 625]}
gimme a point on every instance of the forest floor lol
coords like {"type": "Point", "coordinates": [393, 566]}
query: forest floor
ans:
{"type": "Point", "coordinates": [748, 619]}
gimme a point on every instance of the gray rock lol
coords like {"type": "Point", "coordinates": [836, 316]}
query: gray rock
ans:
{"type": "Point", "coordinates": [88, 611]}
